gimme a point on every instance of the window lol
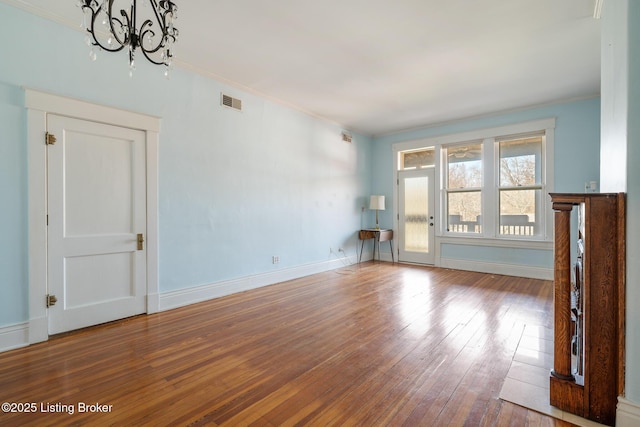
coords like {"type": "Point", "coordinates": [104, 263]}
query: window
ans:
{"type": "Point", "coordinates": [493, 182]}
{"type": "Point", "coordinates": [520, 188]}
{"type": "Point", "coordinates": [416, 159]}
{"type": "Point", "coordinates": [495, 187]}
{"type": "Point", "coordinates": [464, 188]}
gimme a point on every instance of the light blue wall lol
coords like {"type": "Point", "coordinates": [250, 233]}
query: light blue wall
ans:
{"type": "Point", "coordinates": [235, 188]}
{"type": "Point", "coordinates": [13, 206]}
{"type": "Point", "coordinates": [267, 181]}
{"type": "Point", "coordinates": [576, 153]}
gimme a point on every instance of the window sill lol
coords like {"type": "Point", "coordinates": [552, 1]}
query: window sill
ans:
{"type": "Point", "coordinates": [499, 243]}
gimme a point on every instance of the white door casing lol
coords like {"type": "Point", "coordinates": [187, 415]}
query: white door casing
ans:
{"type": "Point", "coordinates": [39, 105]}
{"type": "Point", "coordinates": [96, 209]}
{"type": "Point", "coordinates": [416, 216]}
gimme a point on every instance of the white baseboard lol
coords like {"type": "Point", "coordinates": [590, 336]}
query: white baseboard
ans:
{"type": "Point", "coordinates": [498, 268]}
{"type": "Point", "coordinates": [153, 303]}
{"type": "Point", "coordinates": [14, 336]}
{"type": "Point", "coordinates": [627, 413]}
{"type": "Point", "coordinates": [183, 297]}
{"type": "Point", "coordinates": [38, 329]}
{"type": "Point", "coordinates": [22, 334]}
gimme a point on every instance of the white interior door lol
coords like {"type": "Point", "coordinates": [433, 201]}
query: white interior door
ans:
{"type": "Point", "coordinates": [416, 216]}
{"type": "Point", "coordinates": [96, 209]}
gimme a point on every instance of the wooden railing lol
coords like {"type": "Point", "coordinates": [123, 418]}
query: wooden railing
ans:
{"type": "Point", "coordinates": [511, 225]}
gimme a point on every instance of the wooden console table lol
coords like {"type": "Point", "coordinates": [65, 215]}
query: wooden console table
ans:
{"type": "Point", "coordinates": [379, 235]}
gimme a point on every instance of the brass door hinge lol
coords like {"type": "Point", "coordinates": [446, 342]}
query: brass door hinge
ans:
{"type": "Point", "coordinates": [49, 139]}
{"type": "Point", "coordinates": [140, 241]}
{"type": "Point", "coordinates": [51, 300]}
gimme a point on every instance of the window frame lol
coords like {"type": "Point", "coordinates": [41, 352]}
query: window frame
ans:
{"type": "Point", "coordinates": [536, 186]}
{"type": "Point", "coordinates": [490, 189]}
{"type": "Point", "coordinates": [447, 190]}
{"type": "Point", "coordinates": [402, 161]}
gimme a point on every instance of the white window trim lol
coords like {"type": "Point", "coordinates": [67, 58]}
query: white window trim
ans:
{"type": "Point", "coordinates": [498, 243]}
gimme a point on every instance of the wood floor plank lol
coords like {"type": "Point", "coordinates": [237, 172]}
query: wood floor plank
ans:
{"type": "Point", "coordinates": [375, 344]}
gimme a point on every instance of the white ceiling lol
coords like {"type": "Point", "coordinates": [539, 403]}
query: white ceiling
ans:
{"type": "Point", "coordinates": [380, 66]}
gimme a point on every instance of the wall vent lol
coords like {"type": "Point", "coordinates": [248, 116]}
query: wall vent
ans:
{"type": "Point", "coordinates": [230, 102]}
{"type": "Point", "coordinates": [346, 137]}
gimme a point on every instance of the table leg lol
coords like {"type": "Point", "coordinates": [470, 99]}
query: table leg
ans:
{"type": "Point", "coordinates": [374, 249]}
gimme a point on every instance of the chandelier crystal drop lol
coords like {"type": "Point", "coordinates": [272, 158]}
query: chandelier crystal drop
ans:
{"type": "Point", "coordinates": [113, 25]}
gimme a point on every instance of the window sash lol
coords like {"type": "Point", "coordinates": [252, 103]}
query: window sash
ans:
{"type": "Point", "coordinates": [457, 158]}
{"type": "Point", "coordinates": [520, 189]}
{"type": "Point", "coordinates": [417, 159]}
{"type": "Point", "coordinates": [468, 221]}
{"type": "Point", "coordinates": [518, 223]}
{"type": "Point", "coordinates": [516, 153]}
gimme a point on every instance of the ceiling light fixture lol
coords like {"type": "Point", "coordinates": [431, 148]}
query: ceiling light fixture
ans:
{"type": "Point", "coordinates": [114, 31]}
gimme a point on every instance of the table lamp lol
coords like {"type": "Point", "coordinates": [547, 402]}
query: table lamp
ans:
{"type": "Point", "coordinates": [376, 203]}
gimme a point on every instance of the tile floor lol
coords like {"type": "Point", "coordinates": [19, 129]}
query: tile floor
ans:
{"type": "Point", "coordinates": [527, 382]}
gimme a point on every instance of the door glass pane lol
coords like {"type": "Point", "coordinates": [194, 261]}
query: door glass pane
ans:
{"type": "Point", "coordinates": [416, 211]}
{"type": "Point", "coordinates": [464, 211]}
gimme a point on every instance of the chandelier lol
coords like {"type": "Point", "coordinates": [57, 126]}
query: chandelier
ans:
{"type": "Point", "coordinates": [113, 29]}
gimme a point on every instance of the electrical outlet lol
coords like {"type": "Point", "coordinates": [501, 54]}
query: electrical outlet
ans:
{"type": "Point", "coordinates": [275, 259]}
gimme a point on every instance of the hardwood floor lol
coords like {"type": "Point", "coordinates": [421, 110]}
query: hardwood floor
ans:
{"type": "Point", "coordinates": [370, 345]}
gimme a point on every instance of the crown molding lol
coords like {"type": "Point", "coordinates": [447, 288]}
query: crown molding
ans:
{"type": "Point", "coordinates": [46, 14]}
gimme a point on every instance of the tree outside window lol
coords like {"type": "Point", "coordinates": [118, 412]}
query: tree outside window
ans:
{"type": "Point", "coordinates": [520, 186]}
{"type": "Point", "coordinates": [464, 188]}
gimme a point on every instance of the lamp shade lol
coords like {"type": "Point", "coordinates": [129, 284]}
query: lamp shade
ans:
{"type": "Point", "coordinates": [376, 202]}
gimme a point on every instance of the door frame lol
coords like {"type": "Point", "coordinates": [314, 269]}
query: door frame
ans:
{"type": "Point", "coordinates": [38, 105]}
{"type": "Point", "coordinates": [416, 144]}
{"type": "Point", "coordinates": [431, 175]}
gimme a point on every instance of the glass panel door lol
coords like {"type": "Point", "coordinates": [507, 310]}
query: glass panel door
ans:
{"type": "Point", "coordinates": [416, 216]}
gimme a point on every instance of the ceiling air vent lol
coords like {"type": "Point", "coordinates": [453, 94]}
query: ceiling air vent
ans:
{"type": "Point", "coordinates": [231, 102]}
{"type": "Point", "coordinates": [346, 137]}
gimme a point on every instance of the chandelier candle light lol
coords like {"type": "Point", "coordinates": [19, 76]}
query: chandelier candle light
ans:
{"type": "Point", "coordinates": [113, 28]}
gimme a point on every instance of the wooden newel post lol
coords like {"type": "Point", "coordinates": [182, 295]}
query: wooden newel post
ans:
{"type": "Point", "coordinates": [590, 387]}
{"type": "Point", "coordinates": [562, 292]}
